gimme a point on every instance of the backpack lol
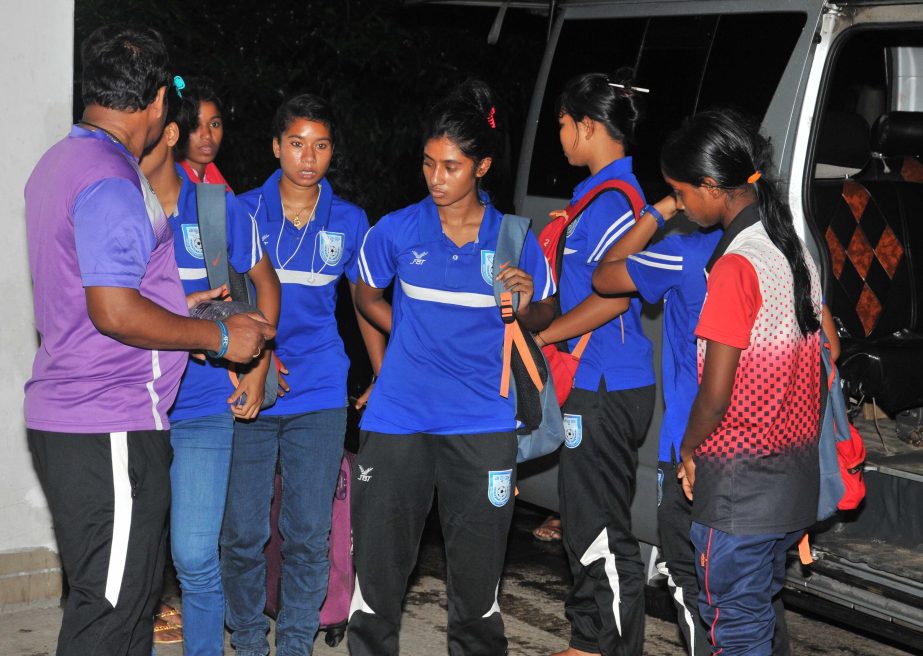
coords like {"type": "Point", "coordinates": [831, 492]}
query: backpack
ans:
{"type": "Point", "coordinates": [552, 239]}
{"type": "Point", "coordinates": [840, 451]}
{"type": "Point", "coordinates": [540, 424]}
{"type": "Point", "coordinates": [211, 205]}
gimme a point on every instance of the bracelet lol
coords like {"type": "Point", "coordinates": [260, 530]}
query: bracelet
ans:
{"type": "Point", "coordinates": [225, 340]}
{"type": "Point", "coordinates": [540, 340]}
{"type": "Point", "coordinates": [374, 379]}
{"type": "Point", "coordinates": [654, 212]}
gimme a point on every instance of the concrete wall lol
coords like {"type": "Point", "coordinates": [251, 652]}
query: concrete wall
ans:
{"type": "Point", "coordinates": [36, 47]}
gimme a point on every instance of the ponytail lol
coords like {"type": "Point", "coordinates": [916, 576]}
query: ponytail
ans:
{"type": "Point", "coordinates": [727, 147]}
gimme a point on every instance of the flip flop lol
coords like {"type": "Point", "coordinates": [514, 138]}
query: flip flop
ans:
{"type": "Point", "coordinates": [549, 530]}
{"type": "Point", "coordinates": [169, 614]}
{"type": "Point", "coordinates": [165, 633]}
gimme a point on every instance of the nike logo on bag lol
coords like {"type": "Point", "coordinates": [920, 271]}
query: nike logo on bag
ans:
{"type": "Point", "coordinates": [216, 260]}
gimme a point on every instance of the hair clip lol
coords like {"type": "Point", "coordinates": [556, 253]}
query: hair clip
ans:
{"type": "Point", "coordinates": [179, 84]}
{"type": "Point", "coordinates": [622, 86]}
{"type": "Point", "coordinates": [756, 175]}
{"type": "Point", "coordinates": [490, 118]}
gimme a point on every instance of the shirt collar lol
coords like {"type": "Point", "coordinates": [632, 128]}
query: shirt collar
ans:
{"type": "Point", "coordinates": [186, 194]}
{"type": "Point", "coordinates": [748, 216]}
{"type": "Point", "coordinates": [431, 226]}
{"type": "Point", "coordinates": [618, 168]}
{"type": "Point", "coordinates": [273, 200]}
{"type": "Point", "coordinates": [83, 133]}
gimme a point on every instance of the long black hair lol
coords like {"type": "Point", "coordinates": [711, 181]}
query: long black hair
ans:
{"type": "Point", "coordinates": [606, 99]}
{"type": "Point", "coordinates": [727, 146]}
{"type": "Point", "coordinates": [468, 117]}
{"type": "Point", "coordinates": [312, 107]}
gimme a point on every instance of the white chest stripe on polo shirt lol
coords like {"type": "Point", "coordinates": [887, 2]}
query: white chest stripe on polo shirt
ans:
{"type": "Point", "coordinates": [192, 274]}
{"type": "Point", "coordinates": [616, 230]}
{"type": "Point", "coordinates": [465, 299]}
{"type": "Point", "coordinates": [121, 515]}
{"type": "Point", "coordinates": [306, 278]}
{"type": "Point", "coordinates": [600, 550]}
{"type": "Point", "coordinates": [658, 261]}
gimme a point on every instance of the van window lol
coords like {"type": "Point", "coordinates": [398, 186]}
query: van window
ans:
{"type": "Point", "coordinates": [689, 63]}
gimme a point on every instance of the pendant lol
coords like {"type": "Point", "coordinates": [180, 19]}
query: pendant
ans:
{"type": "Point", "coordinates": [297, 222]}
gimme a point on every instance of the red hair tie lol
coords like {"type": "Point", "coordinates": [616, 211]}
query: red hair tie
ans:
{"type": "Point", "coordinates": [490, 118]}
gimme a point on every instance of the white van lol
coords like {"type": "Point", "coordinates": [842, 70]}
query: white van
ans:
{"type": "Point", "coordinates": [839, 90]}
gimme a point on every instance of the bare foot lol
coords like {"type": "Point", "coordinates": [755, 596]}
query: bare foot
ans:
{"type": "Point", "coordinates": [570, 651]}
{"type": "Point", "coordinates": [549, 530]}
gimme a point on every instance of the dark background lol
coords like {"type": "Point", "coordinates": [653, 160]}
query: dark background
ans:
{"type": "Point", "coordinates": [379, 62]}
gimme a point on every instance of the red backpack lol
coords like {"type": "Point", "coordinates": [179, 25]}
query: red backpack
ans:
{"type": "Point", "coordinates": [562, 364]}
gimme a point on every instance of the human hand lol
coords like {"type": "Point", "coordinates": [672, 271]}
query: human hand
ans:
{"type": "Point", "coordinates": [248, 397]}
{"type": "Point", "coordinates": [667, 206]}
{"type": "Point", "coordinates": [247, 336]}
{"type": "Point", "coordinates": [283, 384]}
{"type": "Point", "coordinates": [517, 280]}
{"type": "Point", "coordinates": [557, 214]}
{"type": "Point", "coordinates": [195, 298]}
{"type": "Point", "coordinates": [686, 473]}
{"type": "Point", "coordinates": [363, 400]}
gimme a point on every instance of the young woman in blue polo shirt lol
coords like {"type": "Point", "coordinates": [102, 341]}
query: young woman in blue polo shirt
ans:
{"type": "Point", "coordinates": [436, 420]}
{"type": "Point", "coordinates": [673, 270]}
{"type": "Point", "coordinates": [607, 412]}
{"type": "Point", "coordinates": [202, 417]}
{"type": "Point", "coordinates": [312, 238]}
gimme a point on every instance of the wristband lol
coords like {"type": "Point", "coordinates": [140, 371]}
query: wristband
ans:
{"type": "Point", "coordinates": [225, 340]}
{"type": "Point", "coordinates": [374, 379]}
{"type": "Point", "coordinates": [654, 212]}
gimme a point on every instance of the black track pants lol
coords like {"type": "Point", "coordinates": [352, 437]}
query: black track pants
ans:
{"type": "Point", "coordinates": [395, 477]}
{"type": "Point", "coordinates": [674, 517]}
{"type": "Point", "coordinates": [109, 495]}
{"type": "Point", "coordinates": [596, 485]}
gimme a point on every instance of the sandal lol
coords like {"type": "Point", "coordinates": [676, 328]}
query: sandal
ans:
{"type": "Point", "coordinates": [169, 615]}
{"type": "Point", "coordinates": [549, 530]}
{"type": "Point", "coordinates": [166, 633]}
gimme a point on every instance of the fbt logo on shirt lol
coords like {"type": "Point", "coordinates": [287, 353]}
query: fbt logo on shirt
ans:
{"type": "Point", "coordinates": [192, 241]}
{"type": "Point", "coordinates": [419, 257]}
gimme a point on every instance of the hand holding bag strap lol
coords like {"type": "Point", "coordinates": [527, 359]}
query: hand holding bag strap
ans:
{"type": "Point", "coordinates": [510, 241]}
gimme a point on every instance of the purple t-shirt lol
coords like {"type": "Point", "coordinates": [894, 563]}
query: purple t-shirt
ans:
{"type": "Point", "coordinates": [93, 221]}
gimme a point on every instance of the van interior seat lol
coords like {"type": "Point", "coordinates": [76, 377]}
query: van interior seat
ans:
{"type": "Point", "coordinates": [871, 223]}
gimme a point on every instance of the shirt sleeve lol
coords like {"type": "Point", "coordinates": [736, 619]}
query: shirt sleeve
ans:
{"type": "Point", "coordinates": [113, 234]}
{"type": "Point", "coordinates": [245, 249]}
{"type": "Point", "coordinates": [658, 269]}
{"type": "Point", "coordinates": [351, 266]}
{"type": "Point", "coordinates": [731, 303]}
{"type": "Point", "coordinates": [607, 219]}
{"type": "Point", "coordinates": [532, 261]}
{"type": "Point", "coordinates": [377, 261]}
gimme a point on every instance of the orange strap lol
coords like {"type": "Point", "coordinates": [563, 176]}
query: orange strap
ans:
{"type": "Point", "coordinates": [581, 346]}
{"type": "Point", "coordinates": [512, 334]}
{"type": "Point", "coordinates": [804, 550]}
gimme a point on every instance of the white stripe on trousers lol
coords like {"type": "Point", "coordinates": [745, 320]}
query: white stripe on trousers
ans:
{"type": "Point", "coordinates": [121, 515]}
{"type": "Point", "coordinates": [600, 549]}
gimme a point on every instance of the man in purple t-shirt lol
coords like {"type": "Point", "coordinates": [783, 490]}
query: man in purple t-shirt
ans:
{"type": "Point", "coordinates": [114, 328]}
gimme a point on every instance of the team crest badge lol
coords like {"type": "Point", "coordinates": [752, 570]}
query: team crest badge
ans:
{"type": "Point", "coordinates": [573, 430]}
{"type": "Point", "coordinates": [499, 484]}
{"type": "Point", "coordinates": [571, 227]}
{"type": "Point", "coordinates": [487, 267]}
{"type": "Point", "coordinates": [331, 247]}
{"type": "Point", "coordinates": [191, 240]}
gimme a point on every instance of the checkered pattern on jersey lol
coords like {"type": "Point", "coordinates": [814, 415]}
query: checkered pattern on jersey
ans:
{"type": "Point", "coordinates": [867, 258]}
{"type": "Point", "coordinates": [774, 407]}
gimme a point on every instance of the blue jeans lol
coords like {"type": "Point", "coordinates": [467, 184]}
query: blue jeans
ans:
{"type": "Point", "coordinates": [199, 482]}
{"type": "Point", "coordinates": [309, 447]}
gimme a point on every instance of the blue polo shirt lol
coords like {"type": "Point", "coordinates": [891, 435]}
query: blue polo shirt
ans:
{"type": "Point", "coordinates": [618, 350]}
{"type": "Point", "coordinates": [674, 270]}
{"type": "Point", "coordinates": [206, 386]}
{"type": "Point", "coordinates": [309, 263]}
{"type": "Point", "coordinates": [441, 372]}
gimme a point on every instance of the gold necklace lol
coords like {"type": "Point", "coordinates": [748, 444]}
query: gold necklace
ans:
{"type": "Point", "coordinates": [296, 220]}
